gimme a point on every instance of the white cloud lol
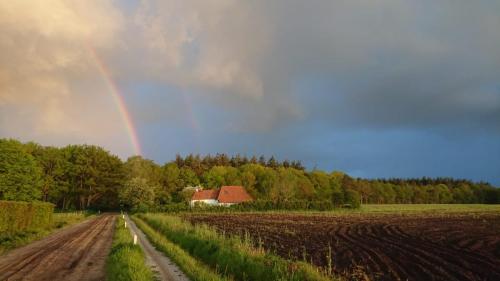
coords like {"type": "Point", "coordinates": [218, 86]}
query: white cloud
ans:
{"type": "Point", "coordinates": [51, 90]}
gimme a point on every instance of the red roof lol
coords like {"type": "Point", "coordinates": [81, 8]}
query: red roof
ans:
{"type": "Point", "coordinates": [233, 194]}
{"type": "Point", "coordinates": [206, 194]}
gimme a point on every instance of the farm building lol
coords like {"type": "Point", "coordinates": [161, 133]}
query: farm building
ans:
{"type": "Point", "coordinates": [225, 196]}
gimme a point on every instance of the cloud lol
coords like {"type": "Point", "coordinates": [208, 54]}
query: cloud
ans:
{"type": "Point", "coordinates": [391, 65]}
{"type": "Point", "coordinates": [249, 68]}
{"type": "Point", "coordinates": [387, 65]}
{"type": "Point", "coordinates": [50, 88]}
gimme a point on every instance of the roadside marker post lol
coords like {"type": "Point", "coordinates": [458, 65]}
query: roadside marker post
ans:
{"type": "Point", "coordinates": [125, 224]}
{"type": "Point", "coordinates": [135, 239]}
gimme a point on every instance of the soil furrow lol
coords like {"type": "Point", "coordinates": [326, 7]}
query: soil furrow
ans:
{"type": "Point", "coordinates": [378, 247]}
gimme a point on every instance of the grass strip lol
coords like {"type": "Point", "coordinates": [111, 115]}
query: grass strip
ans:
{"type": "Point", "coordinates": [194, 269]}
{"type": "Point", "coordinates": [12, 240]}
{"type": "Point", "coordinates": [232, 255]}
{"type": "Point", "coordinates": [126, 261]}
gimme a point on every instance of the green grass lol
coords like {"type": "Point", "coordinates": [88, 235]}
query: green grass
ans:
{"type": "Point", "coordinates": [126, 261]}
{"type": "Point", "coordinates": [430, 208]}
{"type": "Point", "coordinates": [375, 209]}
{"type": "Point", "coordinates": [194, 269]}
{"type": "Point", "coordinates": [233, 256]}
{"type": "Point", "coordinates": [9, 241]}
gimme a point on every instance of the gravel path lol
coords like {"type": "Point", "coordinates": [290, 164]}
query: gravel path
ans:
{"type": "Point", "coordinates": [163, 267]}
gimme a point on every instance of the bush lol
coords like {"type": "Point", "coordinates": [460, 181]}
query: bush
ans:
{"type": "Point", "coordinates": [22, 216]}
{"type": "Point", "coordinates": [165, 208]}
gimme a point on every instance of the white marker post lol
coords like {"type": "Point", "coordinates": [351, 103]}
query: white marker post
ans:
{"type": "Point", "coordinates": [123, 216]}
{"type": "Point", "coordinates": [135, 239]}
{"type": "Point", "coordinates": [125, 224]}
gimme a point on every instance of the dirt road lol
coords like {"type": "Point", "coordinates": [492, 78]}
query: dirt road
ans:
{"type": "Point", "coordinates": [76, 253]}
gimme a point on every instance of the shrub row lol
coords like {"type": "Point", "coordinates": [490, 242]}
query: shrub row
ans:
{"type": "Point", "coordinates": [260, 205]}
{"type": "Point", "coordinates": [21, 216]}
{"type": "Point", "coordinates": [126, 261]}
{"type": "Point", "coordinates": [236, 257]}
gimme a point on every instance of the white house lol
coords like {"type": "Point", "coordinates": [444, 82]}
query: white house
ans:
{"type": "Point", "coordinates": [208, 197]}
{"type": "Point", "coordinates": [225, 196]}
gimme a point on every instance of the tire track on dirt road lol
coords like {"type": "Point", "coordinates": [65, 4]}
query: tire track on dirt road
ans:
{"type": "Point", "coordinates": [76, 253]}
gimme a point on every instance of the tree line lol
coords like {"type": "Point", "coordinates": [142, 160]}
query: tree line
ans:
{"type": "Point", "coordinates": [87, 176]}
{"type": "Point", "coordinates": [201, 164]}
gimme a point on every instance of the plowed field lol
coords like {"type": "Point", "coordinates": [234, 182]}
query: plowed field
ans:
{"type": "Point", "coordinates": [378, 247]}
{"type": "Point", "coordinates": [76, 253]}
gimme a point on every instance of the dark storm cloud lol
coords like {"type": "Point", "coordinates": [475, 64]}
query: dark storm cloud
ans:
{"type": "Point", "coordinates": [391, 64]}
{"type": "Point", "coordinates": [381, 64]}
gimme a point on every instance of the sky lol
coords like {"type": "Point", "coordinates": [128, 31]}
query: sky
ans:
{"type": "Point", "coordinates": [372, 88]}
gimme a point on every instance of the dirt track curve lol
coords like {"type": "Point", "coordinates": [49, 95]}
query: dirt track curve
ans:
{"type": "Point", "coordinates": [76, 253]}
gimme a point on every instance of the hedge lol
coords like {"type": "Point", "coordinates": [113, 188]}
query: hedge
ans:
{"type": "Point", "coordinates": [264, 205]}
{"type": "Point", "coordinates": [18, 216]}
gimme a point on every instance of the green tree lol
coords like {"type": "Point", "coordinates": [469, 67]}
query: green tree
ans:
{"type": "Point", "coordinates": [463, 194]}
{"type": "Point", "coordinates": [53, 164]}
{"type": "Point", "coordinates": [215, 177]}
{"type": "Point", "coordinates": [20, 175]}
{"type": "Point", "coordinates": [272, 163]}
{"type": "Point", "coordinates": [285, 187]}
{"type": "Point", "coordinates": [321, 183]}
{"type": "Point", "coordinates": [93, 173]}
{"type": "Point", "coordinates": [188, 177]}
{"type": "Point", "coordinates": [265, 178]}
{"type": "Point", "coordinates": [492, 196]}
{"type": "Point", "coordinates": [338, 198]}
{"type": "Point", "coordinates": [248, 180]}
{"type": "Point", "coordinates": [138, 167]}
{"type": "Point", "coordinates": [170, 177]}
{"type": "Point", "coordinates": [137, 194]}
{"type": "Point", "coordinates": [441, 194]}
{"type": "Point", "coordinates": [352, 198]}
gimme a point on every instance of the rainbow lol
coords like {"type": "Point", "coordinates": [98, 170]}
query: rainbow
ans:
{"type": "Point", "coordinates": [118, 99]}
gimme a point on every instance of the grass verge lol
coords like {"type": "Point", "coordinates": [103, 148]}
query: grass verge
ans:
{"type": "Point", "coordinates": [126, 261]}
{"type": "Point", "coordinates": [9, 241]}
{"type": "Point", "coordinates": [194, 269]}
{"type": "Point", "coordinates": [232, 256]}
{"type": "Point", "coordinates": [430, 208]}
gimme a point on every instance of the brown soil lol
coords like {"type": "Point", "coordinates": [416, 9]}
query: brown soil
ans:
{"type": "Point", "coordinates": [378, 247]}
{"type": "Point", "coordinates": [76, 253]}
